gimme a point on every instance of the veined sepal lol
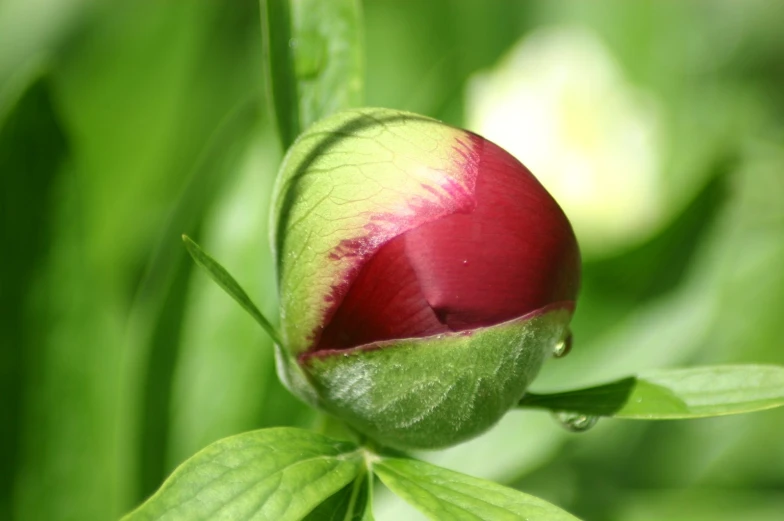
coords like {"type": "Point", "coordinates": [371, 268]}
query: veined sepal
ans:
{"type": "Point", "coordinates": [431, 392]}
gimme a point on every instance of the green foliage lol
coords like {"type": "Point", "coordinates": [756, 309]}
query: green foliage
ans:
{"type": "Point", "coordinates": [677, 394]}
{"type": "Point", "coordinates": [273, 474]}
{"type": "Point", "coordinates": [207, 379]}
{"type": "Point", "coordinates": [291, 474]}
{"type": "Point", "coordinates": [696, 392]}
{"type": "Point", "coordinates": [230, 286]}
{"type": "Point", "coordinates": [443, 494]}
{"type": "Point", "coordinates": [352, 503]}
{"type": "Point", "coordinates": [26, 182]}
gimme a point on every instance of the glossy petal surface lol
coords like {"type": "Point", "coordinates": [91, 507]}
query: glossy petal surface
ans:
{"type": "Point", "coordinates": [512, 253]}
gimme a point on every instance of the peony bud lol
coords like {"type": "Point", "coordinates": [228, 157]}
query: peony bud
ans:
{"type": "Point", "coordinates": [424, 274]}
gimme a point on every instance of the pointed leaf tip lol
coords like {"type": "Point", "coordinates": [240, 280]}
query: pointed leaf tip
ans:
{"type": "Point", "coordinates": [229, 284]}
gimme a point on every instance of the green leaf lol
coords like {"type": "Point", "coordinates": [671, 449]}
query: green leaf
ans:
{"type": "Point", "coordinates": [351, 503]}
{"type": "Point", "coordinates": [674, 394]}
{"type": "Point", "coordinates": [444, 494]}
{"type": "Point", "coordinates": [313, 52]}
{"type": "Point", "coordinates": [163, 297]}
{"type": "Point", "coordinates": [34, 150]}
{"type": "Point", "coordinates": [229, 285]}
{"type": "Point", "coordinates": [272, 474]}
{"type": "Point", "coordinates": [223, 357]}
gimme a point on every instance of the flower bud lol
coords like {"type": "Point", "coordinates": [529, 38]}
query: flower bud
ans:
{"type": "Point", "coordinates": [424, 274]}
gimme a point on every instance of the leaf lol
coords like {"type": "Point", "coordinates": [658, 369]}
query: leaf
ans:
{"type": "Point", "coordinates": [216, 367]}
{"type": "Point", "coordinates": [699, 504]}
{"type": "Point", "coordinates": [272, 474]}
{"type": "Point", "coordinates": [351, 503]}
{"type": "Point", "coordinates": [313, 54]}
{"type": "Point", "coordinates": [229, 285]}
{"type": "Point", "coordinates": [163, 298]}
{"type": "Point", "coordinates": [34, 149]}
{"type": "Point", "coordinates": [444, 494]}
{"type": "Point", "coordinates": [697, 392]}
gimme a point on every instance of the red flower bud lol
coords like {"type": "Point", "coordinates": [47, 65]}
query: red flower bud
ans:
{"type": "Point", "coordinates": [425, 275]}
{"type": "Point", "coordinates": [509, 252]}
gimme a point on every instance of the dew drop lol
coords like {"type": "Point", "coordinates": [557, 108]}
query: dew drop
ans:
{"type": "Point", "coordinates": [562, 348]}
{"type": "Point", "coordinates": [310, 55]}
{"type": "Point", "coordinates": [465, 262]}
{"type": "Point", "coordinates": [575, 421]}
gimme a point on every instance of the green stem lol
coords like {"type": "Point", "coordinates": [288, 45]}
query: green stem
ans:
{"type": "Point", "coordinates": [359, 482]}
{"type": "Point", "coordinates": [279, 64]}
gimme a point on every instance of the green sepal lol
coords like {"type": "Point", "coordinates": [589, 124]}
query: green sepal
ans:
{"type": "Point", "coordinates": [437, 391]}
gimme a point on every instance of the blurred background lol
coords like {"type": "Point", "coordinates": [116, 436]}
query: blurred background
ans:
{"type": "Point", "coordinates": [659, 125]}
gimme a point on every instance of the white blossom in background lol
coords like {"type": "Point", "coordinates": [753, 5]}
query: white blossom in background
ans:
{"type": "Point", "coordinates": [559, 102]}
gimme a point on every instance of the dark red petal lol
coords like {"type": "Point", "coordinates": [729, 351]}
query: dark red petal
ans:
{"type": "Point", "coordinates": [383, 303]}
{"type": "Point", "coordinates": [513, 254]}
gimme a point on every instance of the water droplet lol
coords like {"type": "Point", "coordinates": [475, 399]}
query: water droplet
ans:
{"type": "Point", "coordinates": [465, 262]}
{"type": "Point", "coordinates": [310, 55]}
{"type": "Point", "coordinates": [563, 347]}
{"type": "Point", "coordinates": [575, 421]}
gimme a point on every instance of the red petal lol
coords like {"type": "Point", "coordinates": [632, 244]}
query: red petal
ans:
{"type": "Point", "coordinates": [383, 303]}
{"type": "Point", "coordinates": [513, 254]}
